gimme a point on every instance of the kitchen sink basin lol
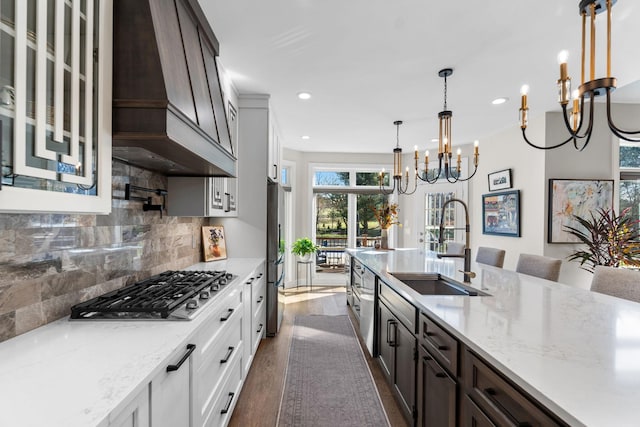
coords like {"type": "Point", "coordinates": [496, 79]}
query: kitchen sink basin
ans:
{"type": "Point", "coordinates": [435, 284]}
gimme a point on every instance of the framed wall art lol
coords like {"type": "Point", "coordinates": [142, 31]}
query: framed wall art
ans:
{"type": "Point", "coordinates": [501, 213]}
{"type": "Point", "coordinates": [500, 180]}
{"type": "Point", "coordinates": [579, 197]}
{"type": "Point", "coordinates": [213, 243]}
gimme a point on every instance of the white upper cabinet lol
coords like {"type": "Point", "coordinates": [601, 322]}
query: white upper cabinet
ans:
{"type": "Point", "coordinates": [55, 105]}
{"type": "Point", "coordinates": [259, 130]}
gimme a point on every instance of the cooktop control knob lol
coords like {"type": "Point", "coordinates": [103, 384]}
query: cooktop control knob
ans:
{"type": "Point", "coordinates": [229, 276]}
{"type": "Point", "coordinates": [222, 281]}
{"type": "Point", "coordinates": [214, 288]}
{"type": "Point", "coordinates": [192, 304]}
{"type": "Point", "coordinates": [205, 295]}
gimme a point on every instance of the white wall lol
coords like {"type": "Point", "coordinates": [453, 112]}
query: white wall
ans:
{"type": "Point", "coordinates": [507, 150]}
{"type": "Point", "coordinates": [597, 161]}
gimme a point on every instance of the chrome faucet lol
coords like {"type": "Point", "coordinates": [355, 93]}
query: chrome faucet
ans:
{"type": "Point", "coordinates": [468, 274]}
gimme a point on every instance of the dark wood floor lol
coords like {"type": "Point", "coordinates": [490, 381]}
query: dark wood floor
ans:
{"type": "Point", "coordinates": [259, 400]}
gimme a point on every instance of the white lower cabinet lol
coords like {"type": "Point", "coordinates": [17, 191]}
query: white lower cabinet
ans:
{"type": "Point", "coordinates": [171, 391]}
{"type": "Point", "coordinates": [215, 365]}
{"type": "Point", "coordinates": [134, 414]}
{"type": "Point", "coordinates": [253, 300]}
{"type": "Point", "coordinates": [201, 382]}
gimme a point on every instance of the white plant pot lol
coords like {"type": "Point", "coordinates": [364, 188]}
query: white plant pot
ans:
{"type": "Point", "coordinates": [305, 257]}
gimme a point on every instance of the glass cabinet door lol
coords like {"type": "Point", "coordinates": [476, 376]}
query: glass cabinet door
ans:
{"type": "Point", "coordinates": [55, 105]}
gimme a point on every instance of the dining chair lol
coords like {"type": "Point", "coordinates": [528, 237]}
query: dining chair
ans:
{"type": "Point", "coordinates": [539, 266]}
{"type": "Point", "coordinates": [454, 248]}
{"type": "Point", "coordinates": [490, 256]}
{"type": "Point", "coordinates": [618, 282]}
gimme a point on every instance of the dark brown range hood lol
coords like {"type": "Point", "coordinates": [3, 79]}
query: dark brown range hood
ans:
{"type": "Point", "coordinates": [168, 109]}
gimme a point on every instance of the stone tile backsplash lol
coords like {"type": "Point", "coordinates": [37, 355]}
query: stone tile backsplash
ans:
{"type": "Point", "coordinates": [49, 262]}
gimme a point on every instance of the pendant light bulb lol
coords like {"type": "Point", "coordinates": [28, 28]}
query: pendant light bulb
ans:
{"type": "Point", "coordinates": [563, 57]}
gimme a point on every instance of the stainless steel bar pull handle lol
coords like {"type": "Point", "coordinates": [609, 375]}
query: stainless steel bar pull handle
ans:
{"type": "Point", "coordinates": [190, 349]}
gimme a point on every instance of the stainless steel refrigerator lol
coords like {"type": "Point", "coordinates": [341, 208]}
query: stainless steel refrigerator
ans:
{"type": "Point", "coordinates": [275, 257]}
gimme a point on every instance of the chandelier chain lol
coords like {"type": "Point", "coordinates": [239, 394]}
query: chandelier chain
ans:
{"type": "Point", "coordinates": [445, 92]}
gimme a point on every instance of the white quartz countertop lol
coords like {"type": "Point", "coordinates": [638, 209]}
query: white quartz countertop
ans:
{"type": "Point", "coordinates": [576, 351]}
{"type": "Point", "coordinates": [76, 373]}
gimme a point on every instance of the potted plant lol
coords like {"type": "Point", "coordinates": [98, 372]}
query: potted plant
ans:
{"type": "Point", "coordinates": [304, 248]}
{"type": "Point", "coordinates": [611, 240]}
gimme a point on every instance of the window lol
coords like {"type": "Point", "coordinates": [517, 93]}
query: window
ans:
{"type": "Point", "coordinates": [330, 178]}
{"type": "Point", "coordinates": [343, 216]}
{"type": "Point", "coordinates": [630, 178]}
{"type": "Point", "coordinates": [370, 179]}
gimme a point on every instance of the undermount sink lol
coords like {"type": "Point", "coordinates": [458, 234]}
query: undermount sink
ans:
{"type": "Point", "coordinates": [435, 284]}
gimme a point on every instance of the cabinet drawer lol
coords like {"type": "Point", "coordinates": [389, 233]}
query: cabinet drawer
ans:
{"type": "Point", "coordinates": [259, 295]}
{"type": "Point", "coordinates": [258, 325]}
{"type": "Point", "coordinates": [219, 360]}
{"type": "Point", "coordinates": [358, 268]}
{"type": "Point", "coordinates": [502, 401]}
{"type": "Point", "coordinates": [403, 309]}
{"type": "Point", "coordinates": [355, 307]}
{"type": "Point", "coordinates": [441, 344]}
{"type": "Point", "coordinates": [472, 416]}
{"type": "Point", "coordinates": [221, 315]}
{"type": "Point", "coordinates": [222, 405]}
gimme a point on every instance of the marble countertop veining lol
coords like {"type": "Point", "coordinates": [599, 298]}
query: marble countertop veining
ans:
{"type": "Point", "coordinates": [576, 351]}
{"type": "Point", "coordinates": [76, 373]}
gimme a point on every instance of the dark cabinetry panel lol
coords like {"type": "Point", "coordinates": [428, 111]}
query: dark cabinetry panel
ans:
{"type": "Point", "coordinates": [437, 393]}
{"type": "Point", "coordinates": [500, 400]}
{"type": "Point", "coordinates": [197, 73]}
{"type": "Point", "coordinates": [397, 349]}
{"type": "Point", "coordinates": [168, 110]}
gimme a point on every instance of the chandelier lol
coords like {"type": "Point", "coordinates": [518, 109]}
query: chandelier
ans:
{"type": "Point", "coordinates": [445, 170]}
{"type": "Point", "coordinates": [587, 91]}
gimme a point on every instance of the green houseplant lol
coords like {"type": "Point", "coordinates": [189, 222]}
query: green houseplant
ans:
{"type": "Point", "coordinates": [304, 248]}
{"type": "Point", "coordinates": [610, 239]}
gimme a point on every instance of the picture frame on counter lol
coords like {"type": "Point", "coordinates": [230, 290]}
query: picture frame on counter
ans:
{"type": "Point", "coordinates": [501, 213]}
{"type": "Point", "coordinates": [213, 243]}
{"type": "Point", "coordinates": [500, 180]}
{"type": "Point", "coordinates": [579, 197]}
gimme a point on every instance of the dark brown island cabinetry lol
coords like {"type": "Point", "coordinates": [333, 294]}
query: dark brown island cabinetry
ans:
{"type": "Point", "coordinates": [397, 347]}
{"type": "Point", "coordinates": [437, 378]}
{"type": "Point", "coordinates": [168, 108]}
{"type": "Point", "coordinates": [502, 401]}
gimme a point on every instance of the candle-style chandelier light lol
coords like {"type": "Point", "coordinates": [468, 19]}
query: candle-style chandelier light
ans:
{"type": "Point", "coordinates": [446, 169]}
{"type": "Point", "coordinates": [587, 91]}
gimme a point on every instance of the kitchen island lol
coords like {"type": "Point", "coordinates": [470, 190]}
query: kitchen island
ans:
{"type": "Point", "coordinates": [574, 351]}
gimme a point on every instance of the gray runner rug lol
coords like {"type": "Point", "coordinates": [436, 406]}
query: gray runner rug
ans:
{"type": "Point", "coordinates": [328, 382]}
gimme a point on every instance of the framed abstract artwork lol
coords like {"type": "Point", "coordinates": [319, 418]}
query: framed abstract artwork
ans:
{"type": "Point", "coordinates": [213, 243]}
{"type": "Point", "coordinates": [501, 213]}
{"type": "Point", "coordinates": [579, 197]}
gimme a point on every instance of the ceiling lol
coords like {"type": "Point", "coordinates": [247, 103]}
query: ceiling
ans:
{"type": "Point", "coordinates": [368, 63]}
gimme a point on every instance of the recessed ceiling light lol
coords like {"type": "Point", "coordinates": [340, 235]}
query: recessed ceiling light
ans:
{"type": "Point", "coordinates": [499, 101]}
{"type": "Point", "coordinates": [305, 137]}
{"type": "Point", "coordinates": [304, 95]}
{"type": "Point", "coordinates": [434, 140]}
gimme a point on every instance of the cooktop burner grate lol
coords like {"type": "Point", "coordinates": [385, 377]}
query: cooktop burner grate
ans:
{"type": "Point", "coordinates": [155, 297]}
